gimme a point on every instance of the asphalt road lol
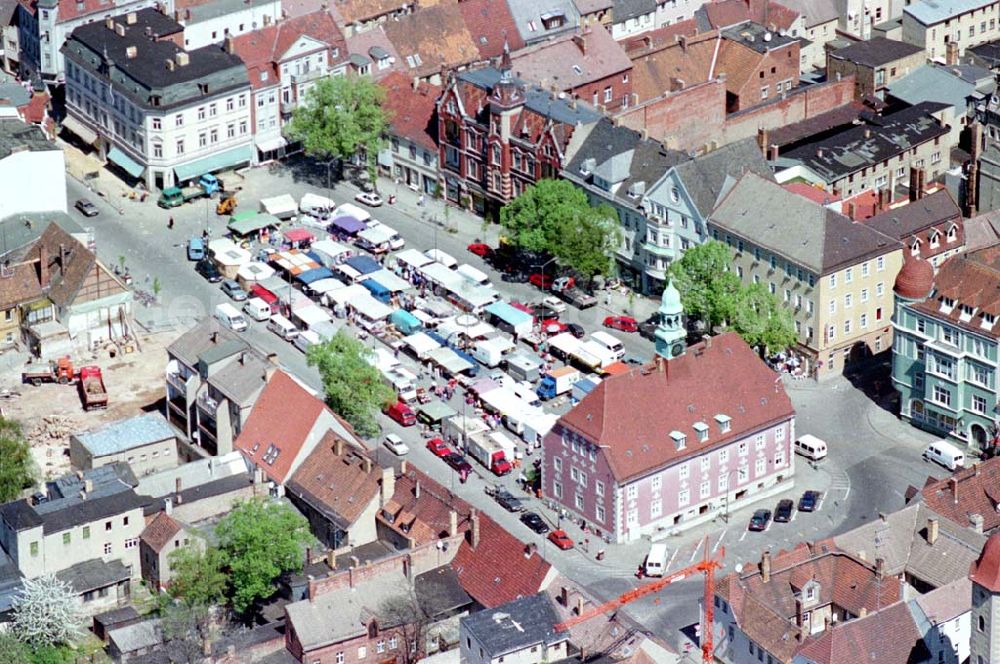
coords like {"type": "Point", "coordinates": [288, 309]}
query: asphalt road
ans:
{"type": "Point", "coordinates": [873, 456]}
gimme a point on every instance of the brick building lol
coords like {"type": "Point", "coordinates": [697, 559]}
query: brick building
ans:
{"type": "Point", "coordinates": [875, 64]}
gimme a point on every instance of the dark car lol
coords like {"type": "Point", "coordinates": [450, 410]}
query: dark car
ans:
{"type": "Point", "coordinates": [86, 208]}
{"type": "Point", "coordinates": [783, 512]}
{"type": "Point", "coordinates": [458, 462]}
{"type": "Point", "coordinates": [207, 269]}
{"type": "Point", "coordinates": [507, 501]}
{"type": "Point", "coordinates": [535, 522]}
{"type": "Point", "coordinates": [647, 328]}
{"type": "Point", "coordinates": [514, 277]}
{"type": "Point", "coordinates": [760, 520]}
{"type": "Point", "coordinates": [576, 330]}
{"type": "Point", "coordinates": [809, 502]}
{"type": "Point", "coordinates": [543, 312]}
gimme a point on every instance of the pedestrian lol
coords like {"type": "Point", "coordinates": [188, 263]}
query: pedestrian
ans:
{"type": "Point", "coordinates": [170, 223]}
{"type": "Point", "coordinates": [204, 234]}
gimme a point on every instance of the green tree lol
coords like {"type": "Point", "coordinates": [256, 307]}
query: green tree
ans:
{"type": "Point", "coordinates": [555, 216]}
{"type": "Point", "coordinates": [13, 650]}
{"type": "Point", "coordinates": [198, 576]}
{"type": "Point", "coordinates": [17, 467]}
{"type": "Point", "coordinates": [353, 387]}
{"type": "Point", "coordinates": [261, 541]}
{"type": "Point", "coordinates": [761, 320]}
{"type": "Point", "coordinates": [709, 290]}
{"type": "Point", "coordinates": [342, 114]}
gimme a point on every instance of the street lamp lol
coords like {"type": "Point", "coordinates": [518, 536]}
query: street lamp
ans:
{"type": "Point", "coordinates": [543, 269]}
{"type": "Point", "coordinates": [725, 516]}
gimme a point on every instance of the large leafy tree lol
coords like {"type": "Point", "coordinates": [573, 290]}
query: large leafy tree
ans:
{"type": "Point", "coordinates": [17, 468]}
{"type": "Point", "coordinates": [353, 387]}
{"type": "Point", "coordinates": [198, 576]}
{"type": "Point", "coordinates": [555, 216]}
{"type": "Point", "coordinates": [46, 613]}
{"type": "Point", "coordinates": [261, 541]}
{"type": "Point", "coordinates": [340, 115]}
{"type": "Point", "coordinates": [761, 320]}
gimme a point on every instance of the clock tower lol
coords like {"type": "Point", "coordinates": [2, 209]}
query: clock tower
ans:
{"type": "Point", "coordinates": [670, 333]}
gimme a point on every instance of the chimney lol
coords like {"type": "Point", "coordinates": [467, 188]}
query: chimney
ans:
{"type": "Point", "coordinates": [852, 210]}
{"type": "Point", "coordinates": [953, 485]}
{"type": "Point", "coordinates": [402, 467]}
{"type": "Point", "coordinates": [951, 53]}
{"type": "Point", "coordinates": [879, 568]}
{"type": "Point", "coordinates": [43, 265]}
{"type": "Point", "coordinates": [581, 43]}
{"type": "Point", "coordinates": [229, 45]}
{"type": "Point", "coordinates": [170, 64]}
{"type": "Point", "coordinates": [388, 485]}
{"type": "Point", "coordinates": [168, 506]}
{"type": "Point", "coordinates": [309, 554]}
{"type": "Point", "coordinates": [976, 523]}
{"type": "Point", "coordinates": [338, 447]}
{"type": "Point", "coordinates": [798, 611]}
{"type": "Point", "coordinates": [868, 132]}
{"type": "Point", "coordinates": [131, 52]}
{"type": "Point", "coordinates": [564, 596]}
{"type": "Point", "coordinates": [119, 29]}
{"type": "Point", "coordinates": [474, 531]}
{"type": "Point", "coordinates": [579, 605]}
{"type": "Point", "coordinates": [178, 498]}
{"type": "Point", "coordinates": [863, 612]}
{"type": "Point", "coordinates": [772, 153]}
{"type": "Point", "coordinates": [914, 183]}
{"type": "Point", "coordinates": [682, 40]}
{"type": "Point", "coordinates": [367, 462]}
{"type": "Point", "coordinates": [109, 23]}
{"type": "Point", "coordinates": [884, 199]}
{"type": "Point", "coordinates": [972, 182]}
{"type": "Point", "coordinates": [819, 152]}
{"type": "Point", "coordinates": [765, 567]}
{"type": "Point", "coordinates": [177, 485]}
{"type": "Point", "coordinates": [416, 490]}
{"type": "Point", "coordinates": [88, 486]}
{"type": "Point", "coordinates": [331, 559]}
{"type": "Point", "coordinates": [975, 469]}
{"type": "Point", "coordinates": [130, 18]}
{"type": "Point", "coordinates": [932, 531]}
{"type": "Point", "coordinates": [183, 59]}
{"type": "Point", "coordinates": [762, 140]}
{"type": "Point", "coordinates": [452, 523]}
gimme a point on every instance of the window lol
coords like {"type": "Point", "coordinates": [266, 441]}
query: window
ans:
{"type": "Point", "coordinates": [339, 658]}
{"type": "Point", "coordinates": [705, 489]}
{"type": "Point", "coordinates": [86, 532]}
{"type": "Point", "coordinates": [879, 289]}
{"type": "Point", "coordinates": [763, 91]}
{"type": "Point", "coordinates": [557, 464]}
{"type": "Point", "coordinates": [705, 463]}
{"type": "Point", "coordinates": [848, 300]}
{"type": "Point", "coordinates": [723, 483]}
{"type": "Point", "coordinates": [131, 542]}
{"type": "Point", "coordinates": [34, 548]}
{"type": "Point", "coordinates": [66, 538]}
{"type": "Point", "coordinates": [779, 434]}
{"type": "Point", "coordinates": [578, 501]}
{"type": "Point", "coordinates": [202, 139]}
{"type": "Point", "coordinates": [599, 513]}
{"type": "Point", "coordinates": [723, 457]}
{"type": "Point", "coordinates": [847, 326]}
{"type": "Point", "coordinates": [608, 94]}
{"type": "Point", "coordinates": [179, 120]}
{"type": "Point", "coordinates": [848, 275]}
{"type": "Point", "coordinates": [683, 497]}
{"type": "Point", "coordinates": [978, 403]}
{"type": "Point", "coordinates": [833, 306]}
{"type": "Point", "coordinates": [655, 508]}
{"type": "Point", "coordinates": [157, 150]}
{"type": "Point", "coordinates": [833, 281]}
{"type": "Point", "coordinates": [864, 294]}
{"type": "Point", "coordinates": [393, 642]}
{"type": "Point", "coordinates": [880, 263]}
{"type": "Point", "coordinates": [157, 125]}
{"type": "Point", "coordinates": [942, 395]}
{"type": "Point", "coordinates": [107, 548]}
{"type": "Point", "coordinates": [684, 472]}
{"type": "Point", "coordinates": [759, 442]}
{"type": "Point", "coordinates": [380, 646]}
{"type": "Point", "coordinates": [760, 467]}
{"type": "Point", "coordinates": [107, 525]}
{"type": "Point", "coordinates": [743, 448]}
{"type": "Point", "coordinates": [362, 652]}
{"type": "Point", "coordinates": [557, 489]}
{"type": "Point", "coordinates": [201, 112]}
{"type": "Point", "coordinates": [213, 109]}
{"type": "Point", "coordinates": [779, 458]}
{"type": "Point", "coordinates": [863, 322]}
{"type": "Point", "coordinates": [180, 146]}
{"type": "Point", "coordinates": [632, 492]}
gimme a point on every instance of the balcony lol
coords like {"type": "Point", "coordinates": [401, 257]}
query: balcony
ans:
{"type": "Point", "coordinates": [307, 76]}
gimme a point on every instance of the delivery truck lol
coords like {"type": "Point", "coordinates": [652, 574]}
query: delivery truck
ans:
{"type": "Point", "coordinates": [556, 382]}
{"type": "Point", "coordinates": [456, 430]}
{"type": "Point", "coordinates": [489, 453]}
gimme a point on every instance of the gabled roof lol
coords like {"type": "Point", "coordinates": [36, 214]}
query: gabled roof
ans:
{"type": "Point", "coordinates": [261, 50]}
{"type": "Point", "coordinates": [826, 240]}
{"type": "Point", "coordinates": [368, 46]}
{"type": "Point", "coordinates": [933, 83]}
{"type": "Point", "coordinates": [412, 112]}
{"type": "Point", "coordinates": [121, 435]}
{"type": "Point", "coordinates": [876, 52]}
{"type": "Point", "coordinates": [675, 395]}
{"type": "Point", "coordinates": [889, 636]}
{"type": "Point", "coordinates": [514, 626]}
{"type": "Point", "coordinates": [728, 13]}
{"type": "Point", "coordinates": [974, 490]}
{"type": "Point", "coordinates": [160, 531]}
{"type": "Point", "coordinates": [705, 177]}
{"type": "Point", "coordinates": [570, 61]}
{"type": "Point", "coordinates": [279, 425]}
{"type": "Point", "coordinates": [420, 508]}
{"type": "Point", "coordinates": [339, 485]}
{"type": "Point", "coordinates": [431, 40]}
{"type": "Point", "coordinates": [357, 11]}
{"type": "Point", "coordinates": [528, 15]}
{"type": "Point", "coordinates": [929, 13]}
{"type": "Point", "coordinates": [916, 220]}
{"type": "Point", "coordinates": [660, 69]}
{"type": "Point", "coordinates": [490, 23]}
{"type": "Point", "coordinates": [813, 12]}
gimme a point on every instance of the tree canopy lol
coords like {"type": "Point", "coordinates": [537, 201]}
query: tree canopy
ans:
{"type": "Point", "coordinates": [353, 387]}
{"type": "Point", "coordinates": [46, 612]}
{"type": "Point", "coordinates": [17, 467]}
{"type": "Point", "coordinates": [261, 541]}
{"type": "Point", "coordinates": [712, 293]}
{"type": "Point", "coordinates": [198, 575]}
{"type": "Point", "coordinates": [555, 216]}
{"type": "Point", "coordinates": [340, 115]}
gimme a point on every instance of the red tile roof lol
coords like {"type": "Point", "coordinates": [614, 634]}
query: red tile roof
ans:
{"type": "Point", "coordinates": [282, 418]}
{"type": "Point", "coordinates": [675, 395]}
{"type": "Point", "coordinates": [765, 12]}
{"type": "Point", "coordinates": [661, 37]}
{"type": "Point", "coordinates": [815, 194]}
{"type": "Point", "coordinates": [434, 39]}
{"type": "Point", "coordinates": [970, 491]}
{"type": "Point", "coordinates": [160, 531]}
{"type": "Point", "coordinates": [490, 22]}
{"type": "Point", "coordinates": [570, 61]}
{"type": "Point", "coordinates": [656, 69]}
{"type": "Point", "coordinates": [344, 484]}
{"type": "Point", "coordinates": [412, 112]}
{"type": "Point", "coordinates": [318, 25]}
{"type": "Point", "coordinates": [36, 109]}
{"type": "Point", "coordinates": [496, 571]}
{"type": "Point", "coordinates": [915, 279]}
{"type": "Point", "coordinates": [986, 570]}
{"type": "Point", "coordinates": [888, 637]}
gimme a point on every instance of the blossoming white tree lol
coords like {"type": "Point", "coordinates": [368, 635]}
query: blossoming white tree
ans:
{"type": "Point", "coordinates": [46, 612]}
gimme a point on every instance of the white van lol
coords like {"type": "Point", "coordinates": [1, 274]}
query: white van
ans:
{"type": "Point", "coordinates": [257, 309]}
{"type": "Point", "coordinates": [313, 204]}
{"type": "Point", "coordinates": [656, 560]}
{"type": "Point", "coordinates": [282, 327]}
{"type": "Point", "coordinates": [613, 345]}
{"type": "Point", "coordinates": [445, 259]}
{"type": "Point", "coordinates": [945, 454]}
{"type": "Point", "coordinates": [811, 447]}
{"type": "Point", "coordinates": [305, 339]}
{"type": "Point", "coordinates": [477, 277]}
{"type": "Point", "coordinates": [230, 317]}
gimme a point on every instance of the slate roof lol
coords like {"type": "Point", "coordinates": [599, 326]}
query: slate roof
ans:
{"type": "Point", "coordinates": [934, 213]}
{"type": "Point", "coordinates": [412, 113]}
{"type": "Point", "coordinates": [242, 379]}
{"type": "Point", "coordinates": [989, 53]}
{"type": "Point", "coordinates": [123, 435]}
{"type": "Point", "coordinates": [675, 396]}
{"type": "Point", "coordinates": [932, 83]}
{"type": "Point", "coordinates": [208, 335]}
{"type": "Point", "coordinates": [889, 636]}
{"type": "Point", "coordinates": [528, 15]}
{"type": "Point", "coordinates": [338, 486]}
{"type": "Point", "coordinates": [87, 511]}
{"type": "Point", "coordinates": [432, 39]}
{"type": "Point", "coordinates": [591, 6]}
{"type": "Point", "coordinates": [825, 242]}
{"type": "Point", "coordinates": [490, 22]}
{"type": "Point", "coordinates": [276, 432]}
{"type": "Point", "coordinates": [16, 135]}
{"type": "Point", "coordinates": [850, 151]}
{"type": "Point", "coordinates": [194, 474]}
{"type": "Point", "coordinates": [137, 636]}
{"type": "Point", "coordinates": [160, 531]}
{"type": "Point", "coordinates": [623, 10]}
{"type": "Point", "coordinates": [537, 99]}
{"type": "Point", "coordinates": [440, 592]}
{"type": "Point", "coordinates": [813, 12]}
{"type": "Point", "coordinates": [982, 230]}
{"type": "Point", "coordinates": [841, 117]}
{"type": "Point", "coordinates": [94, 574]}
{"type": "Point", "coordinates": [977, 487]}
{"type": "Point", "coordinates": [563, 63]}
{"type": "Point", "coordinates": [706, 177]}
{"type": "Point", "coordinates": [876, 52]}
{"type": "Point", "coordinates": [929, 12]}
{"type": "Point", "coordinates": [515, 625]}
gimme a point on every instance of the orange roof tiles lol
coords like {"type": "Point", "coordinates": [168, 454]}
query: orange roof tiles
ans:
{"type": "Point", "coordinates": [969, 491]}
{"type": "Point", "coordinates": [160, 531]}
{"type": "Point", "coordinates": [657, 70]}
{"type": "Point", "coordinates": [986, 570]}
{"type": "Point", "coordinates": [489, 23]}
{"type": "Point", "coordinates": [344, 483]}
{"type": "Point", "coordinates": [412, 111]}
{"type": "Point", "coordinates": [433, 39]}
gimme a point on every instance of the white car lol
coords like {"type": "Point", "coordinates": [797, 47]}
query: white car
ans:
{"type": "Point", "coordinates": [369, 198]}
{"type": "Point", "coordinates": [396, 444]}
{"type": "Point", "coordinates": [554, 303]}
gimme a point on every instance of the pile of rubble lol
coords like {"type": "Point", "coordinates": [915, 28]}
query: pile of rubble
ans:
{"type": "Point", "coordinates": [49, 428]}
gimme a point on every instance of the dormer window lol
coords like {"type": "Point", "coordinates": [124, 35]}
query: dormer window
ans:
{"type": "Point", "coordinates": [724, 422]}
{"type": "Point", "coordinates": [934, 237]}
{"type": "Point", "coordinates": [701, 430]}
{"type": "Point", "coordinates": [988, 321]}
{"type": "Point", "coordinates": [587, 167]}
{"type": "Point", "coordinates": [680, 440]}
{"type": "Point", "coordinates": [965, 313]}
{"type": "Point", "coordinates": [915, 248]}
{"type": "Point", "coordinates": [952, 233]}
{"type": "Point", "coordinates": [947, 304]}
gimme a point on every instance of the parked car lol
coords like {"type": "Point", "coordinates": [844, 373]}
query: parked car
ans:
{"type": "Point", "coordinates": [402, 414]}
{"type": "Point", "coordinates": [809, 502]}
{"type": "Point", "coordinates": [561, 539]}
{"type": "Point", "coordinates": [395, 444]}
{"type": "Point", "coordinates": [535, 522]}
{"type": "Point", "coordinates": [576, 330]}
{"type": "Point", "coordinates": [543, 281]}
{"type": "Point", "coordinates": [369, 198]}
{"type": "Point", "coordinates": [514, 277]}
{"type": "Point", "coordinates": [86, 208]}
{"type": "Point", "coordinates": [647, 328]}
{"type": "Point", "coordinates": [622, 323]}
{"type": "Point", "coordinates": [553, 326]}
{"type": "Point", "coordinates": [438, 448]}
{"type": "Point", "coordinates": [458, 462]}
{"type": "Point", "coordinates": [481, 249]}
{"type": "Point", "coordinates": [508, 501]}
{"type": "Point", "coordinates": [783, 512]}
{"type": "Point", "coordinates": [760, 520]}
{"type": "Point", "coordinates": [206, 268]}
{"type": "Point", "coordinates": [554, 303]}
{"type": "Point", "coordinates": [196, 249]}
{"type": "Point", "coordinates": [233, 290]}
{"type": "Point", "coordinates": [543, 312]}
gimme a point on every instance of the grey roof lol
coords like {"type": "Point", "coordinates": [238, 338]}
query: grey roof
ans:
{"type": "Point", "coordinates": [16, 135]}
{"type": "Point", "coordinates": [205, 491]}
{"type": "Point", "coordinates": [219, 8]}
{"type": "Point", "coordinates": [616, 168]}
{"type": "Point", "coordinates": [929, 12]}
{"type": "Point", "coordinates": [931, 83]}
{"type": "Point", "coordinates": [439, 592]}
{"type": "Point", "coordinates": [343, 613]}
{"type": "Point", "coordinates": [19, 515]}
{"type": "Point", "coordinates": [242, 380]}
{"type": "Point", "coordinates": [94, 574]}
{"type": "Point", "coordinates": [514, 625]}
{"type": "Point", "coordinates": [146, 76]}
{"type": "Point", "coordinates": [902, 544]}
{"type": "Point", "coordinates": [758, 38]}
{"type": "Point", "coordinates": [14, 94]}
{"type": "Point", "coordinates": [193, 474]}
{"type": "Point", "coordinates": [706, 177]}
{"type": "Point", "coordinates": [988, 53]}
{"type": "Point", "coordinates": [87, 510]}
{"type": "Point", "coordinates": [931, 210]}
{"type": "Point", "coordinates": [860, 147]}
{"type": "Point", "coordinates": [104, 481]}
{"type": "Point", "coordinates": [22, 229]}
{"type": "Point", "coordinates": [623, 10]}
{"type": "Point", "coordinates": [536, 98]}
{"type": "Point", "coordinates": [814, 12]}
{"type": "Point", "coordinates": [123, 435]}
{"type": "Point", "coordinates": [11, 582]}
{"type": "Point", "coordinates": [764, 213]}
{"type": "Point", "coordinates": [206, 339]}
{"type": "Point", "coordinates": [145, 634]}
{"type": "Point", "coordinates": [117, 616]}
{"type": "Point", "coordinates": [876, 51]}
{"type": "Point", "coordinates": [526, 12]}
{"type": "Point", "coordinates": [982, 231]}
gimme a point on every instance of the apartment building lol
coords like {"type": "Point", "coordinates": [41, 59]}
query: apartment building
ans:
{"type": "Point", "coordinates": [875, 64]}
{"type": "Point", "coordinates": [412, 156]}
{"type": "Point", "coordinates": [943, 26]}
{"type": "Point", "coordinates": [834, 274]}
{"type": "Point", "coordinates": [164, 115]}
{"type": "Point", "coordinates": [929, 226]}
{"type": "Point", "coordinates": [211, 22]}
{"type": "Point", "coordinates": [32, 168]}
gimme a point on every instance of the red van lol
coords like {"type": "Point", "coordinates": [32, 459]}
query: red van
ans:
{"type": "Point", "coordinates": [402, 413]}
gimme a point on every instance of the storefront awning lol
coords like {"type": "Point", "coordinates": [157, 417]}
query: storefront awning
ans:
{"type": "Point", "coordinates": [88, 135]}
{"type": "Point", "coordinates": [271, 144]}
{"type": "Point", "coordinates": [130, 165]}
{"type": "Point", "coordinates": [215, 162]}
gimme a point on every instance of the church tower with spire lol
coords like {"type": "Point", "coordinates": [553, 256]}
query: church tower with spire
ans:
{"type": "Point", "coordinates": [670, 333]}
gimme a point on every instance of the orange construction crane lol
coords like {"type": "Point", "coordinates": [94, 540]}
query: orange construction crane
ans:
{"type": "Point", "coordinates": [706, 566]}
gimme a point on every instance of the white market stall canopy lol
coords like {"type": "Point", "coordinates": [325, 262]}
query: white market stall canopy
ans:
{"type": "Point", "coordinates": [282, 207]}
{"type": "Point", "coordinates": [368, 307]}
{"type": "Point", "coordinates": [342, 296]}
{"type": "Point", "coordinates": [421, 344]}
{"type": "Point", "coordinates": [376, 235]}
{"type": "Point", "coordinates": [313, 315]}
{"type": "Point", "coordinates": [449, 359]}
{"type": "Point", "coordinates": [412, 258]}
{"type": "Point", "coordinates": [225, 252]}
{"type": "Point", "coordinates": [254, 272]}
{"type": "Point", "coordinates": [390, 281]}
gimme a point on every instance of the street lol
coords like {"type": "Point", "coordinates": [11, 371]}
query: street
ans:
{"type": "Point", "coordinates": [873, 456]}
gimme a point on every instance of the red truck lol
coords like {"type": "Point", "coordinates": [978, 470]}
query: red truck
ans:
{"type": "Point", "coordinates": [489, 453]}
{"type": "Point", "coordinates": [92, 390]}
